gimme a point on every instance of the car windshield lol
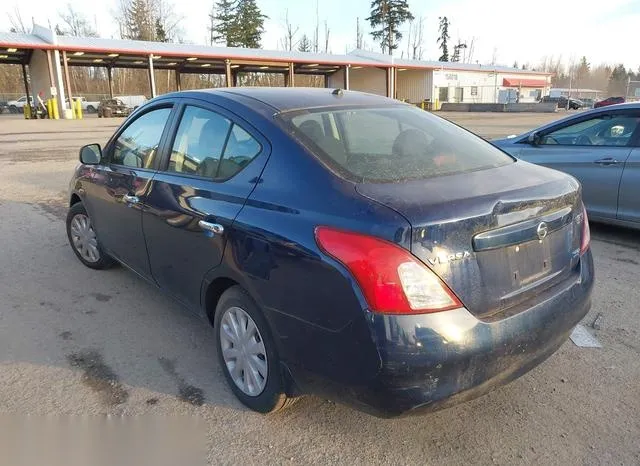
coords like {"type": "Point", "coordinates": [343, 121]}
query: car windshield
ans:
{"type": "Point", "coordinates": [390, 144]}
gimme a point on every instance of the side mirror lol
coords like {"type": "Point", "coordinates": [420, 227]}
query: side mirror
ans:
{"type": "Point", "coordinates": [91, 154]}
{"type": "Point", "coordinates": [533, 139]}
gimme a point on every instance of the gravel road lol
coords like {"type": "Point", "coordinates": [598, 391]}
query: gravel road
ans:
{"type": "Point", "coordinates": [74, 341]}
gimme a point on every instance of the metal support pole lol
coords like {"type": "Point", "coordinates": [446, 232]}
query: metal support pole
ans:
{"type": "Point", "coordinates": [388, 70]}
{"type": "Point", "coordinates": [152, 79]}
{"type": "Point", "coordinates": [50, 69]}
{"type": "Point", "coordinates": [325, 81]}
{"type": "Point", "coordinates": [110, 78]}
{"type": "Point", "coordinates": [178, 83]}
{"type": "Point", "coordinates": [346, 77]}
{"type": "Point", "coordinates": [67, 81]}
{"type": "Point", "coordinates": [234, 78]}
{"type": "Point", "coordinates": [395, 83]}
{"type": "Point", "coordinates": [291, 82]}
{"type": "Point", "coordinates": [227, 72]}
{"type": "Point", "coordinates": [28, 92]}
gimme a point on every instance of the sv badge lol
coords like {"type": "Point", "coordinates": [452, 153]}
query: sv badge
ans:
{"type": "Point", "coordinates": [445, 259]}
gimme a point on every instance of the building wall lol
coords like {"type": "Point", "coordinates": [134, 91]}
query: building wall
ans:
{"type": "Point", "coordinates": [414, 85]}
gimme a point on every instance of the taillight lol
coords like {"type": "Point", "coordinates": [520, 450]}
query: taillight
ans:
{"type": "Point", "coordinates": [586, 232]}
{"type": "Point", "coordinates": [392, 280]}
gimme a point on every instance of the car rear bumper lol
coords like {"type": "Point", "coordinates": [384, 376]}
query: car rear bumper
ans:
{"type": "Point", "coordinates": [432, 361]}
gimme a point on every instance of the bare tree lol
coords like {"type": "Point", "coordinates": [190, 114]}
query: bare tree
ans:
{"type": "Point", "coordinates": [15, 18]}
{"type": "Point", "coordinates": [289, 42]}
{"type": "Point", "coordinates": [416, 40]}
{"type": "Point", "coordinates": [326, 36]}
{"type": "Point", "coordinates": [169, 21]}
{"type": "Point", "coordinates": [316, 33]}
{"type": "Point", "coordinates": [75, 24]}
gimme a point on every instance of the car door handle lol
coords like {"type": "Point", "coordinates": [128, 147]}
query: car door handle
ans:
{"type": "Point", "coordinates": [129, 199]}
{"type": "Point", "coordinates": [215, 228]}
{"type": "Point", "coordinates": [606, 161]}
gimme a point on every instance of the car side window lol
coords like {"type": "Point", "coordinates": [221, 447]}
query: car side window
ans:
{"type": "Point", "coordinates": [603, 130]}
{"type": "Point", "coordinates": [137, 144]}
{"type": "Point", "coordinates": [210, 145]}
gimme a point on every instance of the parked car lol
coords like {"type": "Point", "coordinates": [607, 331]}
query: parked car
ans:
{"type": "Point", "coordinates": [111, 108]}
{"type": "Point", "coordinates": [3, 106]}
{"type": "Point", "coordinates": [16, 106]}
{"type": "Point", "coordinates": [574, 104]}
{"type": "Point", "coordinates": [609, 101]}
{"type": "Point", "coordinates": [600, 148]}
{"type": "Point", "coordinates": [341, 243]}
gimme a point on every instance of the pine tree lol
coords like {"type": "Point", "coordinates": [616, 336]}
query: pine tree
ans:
{"type": "Point", "coordinates": [249, 24]}
{"type": "Point", "coordinates": [583, 71]}
{"type": "Point", "coordinates": [161, 35]}
{"type": "Point", "coordinates": [305, 44]}
{"type": "Point", "coordinates": [386, 18]}
{"type": "Point", "coordinates": [443, 29]}
{"type": "Point", "coordinates": [618, 81]}
{"type": "Point", "coordinates": [224, 19]}
{"type": "Point", "coordinates": [139, 21]}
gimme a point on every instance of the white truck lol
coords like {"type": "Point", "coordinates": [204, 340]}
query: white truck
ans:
{"type": "Point", "coordinates": [88, 106]}
{"type": "Point", "coordinates": [16, 106]}
{"type": "Point", "coordinates": [132, 101]}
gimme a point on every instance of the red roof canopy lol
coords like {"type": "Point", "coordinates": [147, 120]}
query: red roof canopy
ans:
{"type": "Point", "coordinates": [516, 82]}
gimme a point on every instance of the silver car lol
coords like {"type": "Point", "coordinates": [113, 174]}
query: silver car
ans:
{"type": "Point", "coordinates": [601, 148]}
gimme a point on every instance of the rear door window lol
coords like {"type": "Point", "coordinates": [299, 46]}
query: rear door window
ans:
{"type": "Point", "coordinates": [210, 145]}
{"type": "Point", "coordinates": [391, 143]}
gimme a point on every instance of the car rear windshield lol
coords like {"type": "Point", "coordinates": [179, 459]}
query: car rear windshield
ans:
{"type": "Point", "coordinates": [390, 144]}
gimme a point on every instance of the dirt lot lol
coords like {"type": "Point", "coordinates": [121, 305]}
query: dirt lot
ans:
{"type": "Point", "coordinates": [65, 329]}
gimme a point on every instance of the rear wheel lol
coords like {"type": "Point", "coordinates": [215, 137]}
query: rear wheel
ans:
{"type": "Point", "coordinates": [13, 109]}
{"type": "Point", "coordinates": [247, 353]}
{"type": "Point", "coordinates": [91, 109]}
{"type": "Point", "coordinates": [83, 239]}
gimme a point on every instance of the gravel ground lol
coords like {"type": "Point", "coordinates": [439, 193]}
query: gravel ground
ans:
{"type": "Point", "coordinates": [79, 342]}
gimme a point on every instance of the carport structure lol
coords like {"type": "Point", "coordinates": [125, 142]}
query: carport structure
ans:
{"type": "Point", "coordinates": [49, 57]}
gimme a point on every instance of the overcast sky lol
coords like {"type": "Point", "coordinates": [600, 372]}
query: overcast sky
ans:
{"type": "Point", "coordinates": [603, 31]}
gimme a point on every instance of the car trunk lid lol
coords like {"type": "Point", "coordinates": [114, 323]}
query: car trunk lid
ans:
{"type": "Point", "coordinates": [496, 237]}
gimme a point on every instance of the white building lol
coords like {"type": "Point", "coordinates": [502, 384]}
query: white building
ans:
{"type": "Point", "coordinates": [416, 81]}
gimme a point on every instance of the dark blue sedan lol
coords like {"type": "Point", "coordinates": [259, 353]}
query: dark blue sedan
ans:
{"type": "Point", "coordinates": [342, 244]}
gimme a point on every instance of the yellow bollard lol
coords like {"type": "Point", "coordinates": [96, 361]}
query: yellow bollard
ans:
{"type": "Point", "coordinates": [78, 105]}
{"type": "Point", "coordinates": [49, 109]}
{"type": "Point", "coordinates": [27, 112]}
{"type": "Point", "coordinates": [54, 104]}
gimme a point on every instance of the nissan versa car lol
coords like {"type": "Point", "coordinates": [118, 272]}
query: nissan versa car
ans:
{"type": "Point", "coordinates": [341, 244]}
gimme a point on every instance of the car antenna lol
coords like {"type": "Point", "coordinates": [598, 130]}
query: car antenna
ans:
{"type": "Point", "coordinates": [337, 92]}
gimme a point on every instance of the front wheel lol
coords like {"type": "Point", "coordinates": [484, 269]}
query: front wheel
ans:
{"type": "Point", "coordinates": [247, 353]}
{"type": "Point", "coordinates": [83, 239]}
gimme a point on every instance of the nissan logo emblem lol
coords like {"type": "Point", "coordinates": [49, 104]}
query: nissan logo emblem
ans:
{"type": "Point", "coordinates": [542, 230]}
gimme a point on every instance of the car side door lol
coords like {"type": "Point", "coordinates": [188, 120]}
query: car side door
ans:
{"type": "Point", "coordinates": [592, 148]}
{"type": "Point", "coordinates": [629, 198]}
{"type": "Point", "coordinates": [213, 165]}
{"type": "Point", "coordinates": [116, 196]}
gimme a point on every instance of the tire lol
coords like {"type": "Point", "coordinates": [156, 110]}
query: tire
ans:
{"type": "Point", "coordinates": [13, 109]}
{"type": "Point", "coordinates": [91, 109]}
{"type": "Point", "coordinates": [271, 397]}
{"type": "Point", "coordinates": [96, 258]}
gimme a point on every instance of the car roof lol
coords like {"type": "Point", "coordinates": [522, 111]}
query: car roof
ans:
{"type": "Point", "coordinates": [283, 99]}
